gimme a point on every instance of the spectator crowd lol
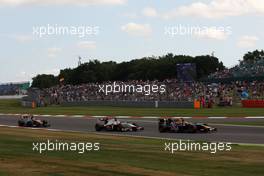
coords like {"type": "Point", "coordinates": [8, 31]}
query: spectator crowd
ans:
{"type": "Point", "coordinates": [253, 68]}
{"type": "Point", "coordinates": [208, 94]}
{"type": "Point", "coordinates": [9, 89]}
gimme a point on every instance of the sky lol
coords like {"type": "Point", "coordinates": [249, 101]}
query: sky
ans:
{"type": "Point", "coordinates": [42, 37]}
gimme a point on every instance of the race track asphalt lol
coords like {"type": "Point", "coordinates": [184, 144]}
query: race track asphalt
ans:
{"type": "Point", "coordinates": [225, 133]}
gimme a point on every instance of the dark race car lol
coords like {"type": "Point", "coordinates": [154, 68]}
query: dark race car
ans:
{"type": "Point", "coordinates": [30, 121]}
{"type": "Point", "coordinates": [180, 126]}
{"type": "Point", "coordinates": [112, 124]}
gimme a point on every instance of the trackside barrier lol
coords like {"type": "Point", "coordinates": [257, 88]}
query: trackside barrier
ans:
{"type": "Point", "coordinates": [127, 103]}
{"type": "Point", "coordinates": [33, 105]}
{"type": "Point", "coordinates": [197, 104]}
{"type": "Point", "coordinates": [27, 104]}
{"type": "Point", "coordinates": [253, 103]}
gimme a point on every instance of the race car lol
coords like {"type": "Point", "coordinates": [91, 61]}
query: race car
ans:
{"type": "Point", "coordinates": [112, 124]}
{"type": "Point", "coordinates": [27, 120]}
{"type": "Point", "coordinates": [181, 126]}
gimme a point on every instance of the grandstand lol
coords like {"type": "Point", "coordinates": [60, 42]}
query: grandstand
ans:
{"type": "Point", "coordinates": [245, 69]}
{"type": "Point", "coordinates": [19, 88]}
{"type": "Point", "coordinates": [182, 76]}
{"type": "Point", "coordinates": [176, 91]}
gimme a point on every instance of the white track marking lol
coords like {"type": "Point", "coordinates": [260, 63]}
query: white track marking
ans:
{"type": "Point", "coordinates": [150, 117]}
{"type": "Point", "coordinates": [254, 117]}
{"type": "Point", "coordinates": [217, 117]}
{"type": "Point", "coordinates": [234, 125]}
{"type": "Point", "coordinates": [132, 117]}
{"type": "Point", "coordinates": [99, 116]}
{"type": "Point", "coordinates": [78, 116]}
{"type": "Point", "coordinates": [60, 115]}
{"type": "Point", "coordinates": [123, 117]}
{"type": "Point", "coordinates": [10, 126]}
{"type": "Point", "coordinates": [45, 115]}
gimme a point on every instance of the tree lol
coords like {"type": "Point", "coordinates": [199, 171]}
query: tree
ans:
{"type": "Point", "coordinates": [147, 68]}
{"type": "Point", "coordinates": [44, 81]}
{"type": "Point", "coordinates": [253, 56]}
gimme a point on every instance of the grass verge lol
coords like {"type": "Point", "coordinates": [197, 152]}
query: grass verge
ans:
{"type": "Point", "coordinates": [119, 156]}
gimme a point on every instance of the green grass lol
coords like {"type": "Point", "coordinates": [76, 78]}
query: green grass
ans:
{"type": "Point", "coordinates": [13, 106]}
{"type": "Point", "coordinates": [119, 156]}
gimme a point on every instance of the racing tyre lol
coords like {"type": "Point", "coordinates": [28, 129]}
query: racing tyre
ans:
{"type": "Point", "coordinates": [162, 130]}
{"type": "Point", "coordinates": [21, 123]}
{"type": "Point", "coordinates": [134, 129]}
{"type": "Point", "coordinates": [98, 127]}
{"type": "Point", "coordinates": [45, 123]}
{"type": "Point", "coordinates": [117, 128]}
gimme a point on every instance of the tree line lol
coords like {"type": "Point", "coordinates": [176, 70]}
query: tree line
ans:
{"type": "Point", "coordinates": [147, 68]}
{"type": "Point", "coordinates": [253, 56]}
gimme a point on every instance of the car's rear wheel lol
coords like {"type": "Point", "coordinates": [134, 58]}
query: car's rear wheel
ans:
{"type": "Point", "coordinates": [21, 123]}
{"type": "Point", "coordinates": [134, 128]}
{"type": "Point", "coordinates": [191, 128]}
{"type": "Point", "coordinates": [98, 127]}
{"type": "Point", "coordinates": [162, 129]}
{"type": "Point", "coordinates": [118, 128]}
